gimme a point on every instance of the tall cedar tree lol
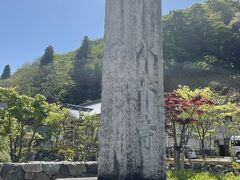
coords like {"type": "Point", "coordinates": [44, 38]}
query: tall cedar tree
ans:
{"type": "Point", "coordinates": [82, 89]}
{"type": "Point", "coordinates": [48, 56]}
{"type": "Point", "coordinates": [43, 81]}
{"type": "Point", "coordinates": [6, 72]}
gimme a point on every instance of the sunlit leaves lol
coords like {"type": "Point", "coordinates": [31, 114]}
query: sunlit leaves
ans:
{"type": "Point", "coordinates": [22, 118]}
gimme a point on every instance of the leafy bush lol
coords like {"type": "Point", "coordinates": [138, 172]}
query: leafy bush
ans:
{"type": "Point", "coordinates": [4, 150]}
{"type": "Point", "coordinates": [189, 175]}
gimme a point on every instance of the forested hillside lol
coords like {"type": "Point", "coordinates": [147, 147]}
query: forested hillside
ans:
{"type": "Point", "coordinates": [202, 45]}
{"type": "Point", "coordinates": [74, 77]}
{"type": "Point", "coordinates": [201, 48]}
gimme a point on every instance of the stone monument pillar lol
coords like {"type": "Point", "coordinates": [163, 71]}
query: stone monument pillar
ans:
{"type": "Point", "coordinates": [132, 133]}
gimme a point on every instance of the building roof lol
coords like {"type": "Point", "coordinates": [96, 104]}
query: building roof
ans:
{"type": "Point", "coordinates": [77, 107]}
{"type": "Point", "coordinates": [90, 108]}
{"type": "Point", "coordinates": [91, 103]}
{"type": "Point", "coordinates": [95, 107]}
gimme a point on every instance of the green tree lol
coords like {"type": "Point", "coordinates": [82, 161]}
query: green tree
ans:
{"type": "Point", "coordinates": [224, 9]}
{"type": "Point", "coordinates": [6, 73]}
{"type": "Point", "coordinates": [4, 149]}
{"type": "Point", "coordinates": [43, 80]}
{"type": "Point", "coordinates": [83, 53]}
{"type": "Point", "coordinates": [206, 116]}
{"type": "Point", "coordinates": [23, 78]}
{"type": "Point", "coordinates": [22, 118]}
{"type": "Point", "coordinates": [181, 109]}
{"type": "Point", "coordinates": [44, 77]}
{"type": "Point", "coordinates": [212, 115]}
{"type": "Point", "coordinates": [80, 75]}
{"type": "Point", "coordinates": [56, 122]}
{"type": "Point", "coordinates": [202, 42]}
{"type": "Point", "coordinates": [88, 145]}
{"type": "Point", "coordinates": [48, 56]}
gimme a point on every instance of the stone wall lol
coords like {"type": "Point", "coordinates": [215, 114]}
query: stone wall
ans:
{"type": "Point", "coordinates": [47, 170]}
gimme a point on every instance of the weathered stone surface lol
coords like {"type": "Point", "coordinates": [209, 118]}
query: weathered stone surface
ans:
{"type": "Point", "coordinates": [29, 175]}
{"type": "Point", "coordinates": [92, 169]}
{"type": "Point", "coordinates": [12, 172]}
{"type": "Point", "coordinates": [77, 170]}
{"type": "Point", "coordinates": [41, 176]}
{"type": "Point", "coordinates": [64, 170]}
{"type": "Point", "coordinates": [132, 132]}
{"type": "Point", "coordinates": [51, 169]}
{"type": "Point", "coordinates": [32, 167]}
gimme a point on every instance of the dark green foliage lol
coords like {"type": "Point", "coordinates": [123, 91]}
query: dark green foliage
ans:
{"type": "Point", "coordinates": [80, 69]}
{"type": "Point", "coordinates": [48, 56]}
{"type": "Point", "coordinates": [6, 73]}
{"type": "Point", "coordinates": [209, 29]}
{"type": "Point", "coordinates": [43, 79]}
{"type": "Point", "coordinates": [83, 53]}
{"type": "Point", "coordinates": [21, 120]}
{"type": "Point", "coordinates": [86, 73]}
{"type": "Point", "coordinates": [201, 45]}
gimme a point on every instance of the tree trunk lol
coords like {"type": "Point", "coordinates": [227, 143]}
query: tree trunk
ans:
{"type": "Point", "coordinates": [177, 159]}
{"type": "Point", "coordinates": [12, 155]}
{"type": "Point", "coordinates": [20, 144]}
{"type": "Point", "coordinates": [132, 128]}
{"type": "Point", "coordinates": [203, 148]}
{"type": "Point", "coordinates": [30, 145]}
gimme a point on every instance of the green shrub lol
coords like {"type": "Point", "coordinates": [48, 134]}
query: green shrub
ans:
{"type": "Point", "coordinates": [189, 175]}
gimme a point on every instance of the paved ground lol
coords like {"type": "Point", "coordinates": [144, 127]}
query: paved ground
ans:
{"type": "Point", "coordinates": [89, 178]}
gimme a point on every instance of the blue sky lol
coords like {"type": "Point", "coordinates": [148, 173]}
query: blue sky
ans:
{"type": "Point", "coordinates": [27, 27]}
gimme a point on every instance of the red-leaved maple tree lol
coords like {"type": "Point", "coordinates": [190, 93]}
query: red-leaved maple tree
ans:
{"type": "Point", "coordinates": [179, 114]}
